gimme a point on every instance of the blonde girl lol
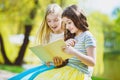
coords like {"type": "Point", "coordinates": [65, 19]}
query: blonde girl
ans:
{"type": "Point", "coordinates": [49, 31]}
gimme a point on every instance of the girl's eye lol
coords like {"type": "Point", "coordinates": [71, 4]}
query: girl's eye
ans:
{"type": "Point", "coordinates": [69, 22]}
{"type": "Point", "coordinates": [48, 21]}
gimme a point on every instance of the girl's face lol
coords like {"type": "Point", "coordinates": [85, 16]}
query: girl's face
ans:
{"type": "Point", "coordinates": [70, 25]}
{"type": "Point", "coordinates": [54, 22]}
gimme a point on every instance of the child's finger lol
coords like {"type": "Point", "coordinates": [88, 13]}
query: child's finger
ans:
{"type": "Point", "coordinates": [48, 64]}
{"type": "Point", "coordinates": [55, 60]}
{"type": "Point", "coordinates": [61, 60]}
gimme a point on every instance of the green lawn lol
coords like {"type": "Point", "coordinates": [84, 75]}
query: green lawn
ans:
{"type": "Point", "coordinates": [96, 78]}
{"type": "Point", "coordinates": [15, 69]}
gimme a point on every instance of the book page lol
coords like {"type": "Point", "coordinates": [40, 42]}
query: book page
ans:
{"type": "Point", "coordinates": [55, 49]}
{"type": "Point", "coordinates": [41, 53]}
{"type": "Point", "coordinates": [47, 52]}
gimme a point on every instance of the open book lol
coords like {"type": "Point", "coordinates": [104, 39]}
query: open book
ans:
{"type": "Point", "coordinates": [47, 52]}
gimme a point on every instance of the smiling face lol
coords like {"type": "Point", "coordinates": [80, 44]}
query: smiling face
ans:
{"type": "Point", "coordinates": [54, 22]}
{"type": "Point", "coordinates": [70, 25]}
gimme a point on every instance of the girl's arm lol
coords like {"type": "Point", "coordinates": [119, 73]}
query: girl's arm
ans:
{"type": "Point", "coordinates": [88, 59]}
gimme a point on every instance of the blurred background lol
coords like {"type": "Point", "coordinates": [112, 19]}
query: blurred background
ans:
{"type": "Point", "coordinates": [20, 20]}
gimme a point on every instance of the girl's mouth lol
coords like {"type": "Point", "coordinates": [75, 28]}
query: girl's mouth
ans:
{"type": "Point", "coordinates": [54, 27]}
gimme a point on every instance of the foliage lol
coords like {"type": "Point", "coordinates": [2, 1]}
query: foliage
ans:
{"type": "Point", "coordinates": [112, 65]}
{"type": "Point", "coordinates": [112, 39]}
{"type": "Point", "coordinates": [9, 47]}
{"type": "Point", "coordinates": [97, 30]}
{"type": "Point", "coordinates": [110, 29]}
{"type": "Point", "coordinates": [16, 22]}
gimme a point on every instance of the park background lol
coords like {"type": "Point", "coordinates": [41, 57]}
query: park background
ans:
{"type": "Point", "coordinates": [20, 20]}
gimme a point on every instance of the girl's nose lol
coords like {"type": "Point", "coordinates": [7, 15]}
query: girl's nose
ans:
{"type": "Point", "coordinates": [52, 24]}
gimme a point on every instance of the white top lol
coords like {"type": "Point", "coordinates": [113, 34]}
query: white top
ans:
{"type": "Point", "coordinates": [54, 37]}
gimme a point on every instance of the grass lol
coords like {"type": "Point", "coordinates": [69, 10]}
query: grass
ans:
{"type": "Point", "coordinates": [96, 78]}
{"type": "Point", "coordinates": [15, 69]}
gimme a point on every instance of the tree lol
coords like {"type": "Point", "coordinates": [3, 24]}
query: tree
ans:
{"type": "Point", "coordinates": [28, 28]}
{"type": "Point", "coordinates": [7, 61]}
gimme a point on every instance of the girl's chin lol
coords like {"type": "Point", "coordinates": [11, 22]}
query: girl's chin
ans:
{"type": "Point", "coordinates": [55, 31]}
{"type": "Point", "coordinates": [72, 32]}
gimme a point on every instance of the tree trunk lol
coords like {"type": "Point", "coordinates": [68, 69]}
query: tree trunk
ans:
{"type": "Point", "coordinates": [21, 54]}
{"type": "Point", "coordinates": [28, 29]}
{"type": "Point", "coordinates": [2, 49]}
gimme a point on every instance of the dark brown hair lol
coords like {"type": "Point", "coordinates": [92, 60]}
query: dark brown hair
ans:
{"type": "Point", "coordinates": [74, 13]}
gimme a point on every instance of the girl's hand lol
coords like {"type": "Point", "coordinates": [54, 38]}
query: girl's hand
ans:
{"type": "Point", "coordinates": [70, 42]}
{"type": "Point", "coordinates": [69, 49]}
{"type": "Point", "coordinates": [58, 61]}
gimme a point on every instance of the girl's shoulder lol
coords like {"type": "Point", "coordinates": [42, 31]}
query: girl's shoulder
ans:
{"type": "Point", "coordinates": [88, 34]}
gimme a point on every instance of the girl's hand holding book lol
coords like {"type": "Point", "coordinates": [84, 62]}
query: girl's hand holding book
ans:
{"type": "Point", "coordinates": [58, 62]}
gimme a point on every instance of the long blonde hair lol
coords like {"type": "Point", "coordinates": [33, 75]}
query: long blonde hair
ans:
{"type": "Point", "coordinates": [43, 34]}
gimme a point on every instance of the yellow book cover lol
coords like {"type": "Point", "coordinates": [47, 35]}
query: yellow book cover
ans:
{"type": "Point", "coordinates": [47, 52]}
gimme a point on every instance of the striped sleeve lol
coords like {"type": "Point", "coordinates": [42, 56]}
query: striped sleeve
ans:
{"type": "Point", "coordinates": [89, 41]}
